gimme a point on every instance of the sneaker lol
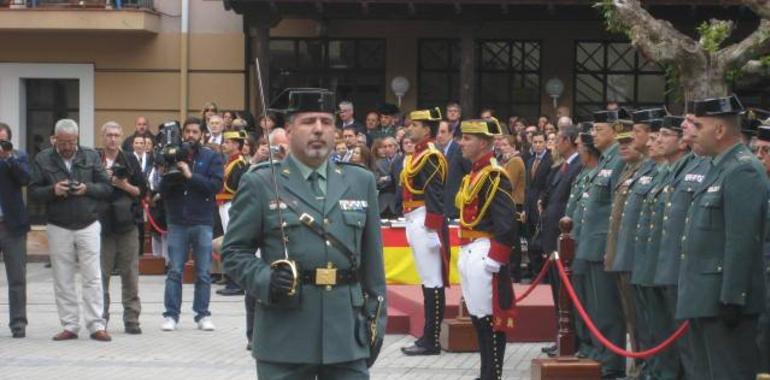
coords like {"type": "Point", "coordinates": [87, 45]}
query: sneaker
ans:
{"type": "Point", "coordinates": [206, 324]}
{"type": "Point", "coordinates": [169, 324]}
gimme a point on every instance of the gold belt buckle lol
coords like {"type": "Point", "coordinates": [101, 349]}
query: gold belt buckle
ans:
{"type": "Point", "coordinates": [326, 276]}
{"type": "Point", "coordinates": [306, 219]}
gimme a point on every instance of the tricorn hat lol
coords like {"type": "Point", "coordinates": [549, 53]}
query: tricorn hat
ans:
{"type": "Point", "coordinates": [620, 115]}
{"type": "Point", "coordinates": [650, 116]}
{"type": "Point", "coordinates": [484, 127]}
{"type": "Point", "coordinates": [673, 122]}
{"type": "Point", "coordinates": [388, 109]}
{"type": "Point", "coordinates": [234, 135]}
{"type": "Point", "coordinates": [728, 105]}
{"type": "Point", "coordinates": [433, 114]}
{"type": "Point", "coordinates": [294, 100]}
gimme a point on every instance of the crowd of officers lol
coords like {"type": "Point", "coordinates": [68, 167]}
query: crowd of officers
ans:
{"type": "Point", "coordinates": [669, 217]}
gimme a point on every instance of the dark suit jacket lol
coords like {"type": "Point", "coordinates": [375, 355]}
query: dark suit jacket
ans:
{"type": "Point", "coordinates": [395, 172]}
{"type": "Point", "coordinates": [536, 184]}
{"type": "Point", "coordinates": [14, 174]}
{"type": "Point", "coordinates": [458, 168]}
{"type": "Point", "coordinates": [554, 200]}
{"type": "Point", "coordinates": [386, 184]}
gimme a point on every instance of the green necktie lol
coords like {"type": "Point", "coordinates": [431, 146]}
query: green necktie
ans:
{"type": "Point", "coordinates": [315, 186]}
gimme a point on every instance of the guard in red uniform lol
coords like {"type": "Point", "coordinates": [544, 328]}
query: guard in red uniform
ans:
{"type": "Point", "coordinates": [487, 235]}
{"type": "Point", "coordinates": [423, 179]}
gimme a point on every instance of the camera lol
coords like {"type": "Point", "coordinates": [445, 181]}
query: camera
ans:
{"type": "Point", "coordinates": [170, 149]}
{"type": "Point", "coordinates": [119, 171]}
{"type": "Point", "coordinates": [6, 146]}
{"type": "Point", "coordinates": [72, 186]}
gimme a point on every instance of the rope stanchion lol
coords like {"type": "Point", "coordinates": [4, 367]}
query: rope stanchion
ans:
{"type": "Point", "coordinates": [537, 280]}
{"type": "Point", "coordinates": [595, 331]}
{"type": "Point", "coordinates": [152, 221]}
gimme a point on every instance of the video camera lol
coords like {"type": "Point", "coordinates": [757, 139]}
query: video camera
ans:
{"type": "Point", "coordinates": [6, 146]}
{"type": "Point", "coordinates": [170, 149]}
{"type": "Point", "coordinates": [119, 171]}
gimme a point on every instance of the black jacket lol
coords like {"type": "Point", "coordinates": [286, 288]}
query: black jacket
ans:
{"type": "Point", "coordinates": [458, 168]}
{"type": "Point", "coordinates": [536, 183]}
{"type": "Point", "coordinates": [122, 212]}
{"type": "Point", "coordinates": [554, 200]}
{"type": "Point", "coordinates": [14, 174]}
{"type": "Point", "coordinates": [192, 201]}
{"type": "Point", "coordinates": [71, 212]}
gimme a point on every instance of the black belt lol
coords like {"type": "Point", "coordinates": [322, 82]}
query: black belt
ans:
{"type": "Point", "coordinates": [329, 277]}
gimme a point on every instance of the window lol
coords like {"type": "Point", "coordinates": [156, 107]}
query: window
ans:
{"type": "Point", "coordinates": [438, 75]}
{"type": "Point", "coordinates": [353, 68]}
{"type": "Point", "coordinates": [509, 77]}
{"type": "Point", "coordinates": [615, 71]}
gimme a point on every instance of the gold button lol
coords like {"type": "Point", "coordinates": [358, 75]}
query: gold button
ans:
{"type": "Point", "coordinates": [328, 243]}
{"type": "Point", "coordinates": [682, 257]}
{"type": "Point", "coordinates": [327, 221]}
{"type": "Point", "coordinates": [719, 269]}
{"type": "Point", "coordinates": [665, 218]}
{"type": "Point", "coordinates": [668, 204]}
{"type": "Point", "coordinates": [684, 238]}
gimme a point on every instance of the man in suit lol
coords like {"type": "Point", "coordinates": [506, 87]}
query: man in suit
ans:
{"type": "Point", "coordinates": [554, 200]}
{"type": "Point", "coordinates": [319, 280]}
{"type": "Point", "coordinates": [14, 225]}
{"type": "Point", "coordinates": [458, 166]}
{"type": "Point", "coordinates": [721, 278]}
{"type": "Point", "coordinates": [347, 117]}
{"type": "Point", "coordinates": [538, 168]}
{"type": "Point", "coordinates": [386, 180]}
{"type": "Point", "coordinates": [142, 129]}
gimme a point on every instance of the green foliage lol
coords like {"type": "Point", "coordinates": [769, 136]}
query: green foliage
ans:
{"type": "Point", "coordinates": [713, 33]}
{"type": "Point", "coordinates": [672, 82]}
{"type": "Point", "coordinates": [611, 19]}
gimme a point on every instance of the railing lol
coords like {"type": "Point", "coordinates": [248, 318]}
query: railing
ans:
{"type": "Point", "coordinates": [105, 4]}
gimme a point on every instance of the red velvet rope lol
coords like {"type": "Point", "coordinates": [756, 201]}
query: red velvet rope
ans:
{"type": "Point", "coordinates": [154, 225]}
{"type": "Point", "coordinates": [595, 331]}
{"type": "Point", "coordinates": [536, 281]}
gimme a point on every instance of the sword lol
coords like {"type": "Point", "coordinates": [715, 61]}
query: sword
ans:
{"type": "Point", "coordinates": [286, 261]}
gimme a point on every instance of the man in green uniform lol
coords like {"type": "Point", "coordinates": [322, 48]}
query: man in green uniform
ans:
{"type": "Point", "coordinates": [323, 317]}
{"type": "Point", "coordinates": [589, 157]}
{"type": "Point", "coordinates": [763, 154]}
{"type": "Point", "coordinates": [721, 278]}
{"type": "Point", "coordinates": [604, 302]}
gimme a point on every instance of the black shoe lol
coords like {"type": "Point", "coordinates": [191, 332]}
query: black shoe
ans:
{"type": "Point", "coordinates": [48, 264]}
{"type": "Point", "coordinates": [230, 292]}
{"type": "Point", "coordinates": [415, 350]}
{"type": "Point", "coordinates": [133, 328]}
{"type": "Point", "coordinates": [548, 349]}
{"type": "Point", "coordinates": [248, 346]}
{"type": "Point", "coordinates": [19, 333]}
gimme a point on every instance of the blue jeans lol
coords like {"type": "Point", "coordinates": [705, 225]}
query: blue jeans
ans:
{"type": "Point", "coordinates": [180, 240]}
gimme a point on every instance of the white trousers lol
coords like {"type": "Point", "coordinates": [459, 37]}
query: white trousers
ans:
{"type": "Point", "coordinates": [74, 251]}
{"type": "Point", "coordinates": [224, 215]}
{"type": "Point", "coordinates": [426, 248]}
{"type": "Point", "coordinates": [475, 280]}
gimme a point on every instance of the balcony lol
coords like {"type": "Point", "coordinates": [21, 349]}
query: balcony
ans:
{"type": "Point", "coordinates": [123, 16]}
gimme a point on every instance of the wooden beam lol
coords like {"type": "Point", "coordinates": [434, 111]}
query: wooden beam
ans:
{"type": "Point", "coordinates": [365, 8]}
{"type": "Point", "coordinates": [412, 9]}
{"type": "Point", "coordinates": [504, 8]}
{"type": "Point", "coordinates": [458, 8]}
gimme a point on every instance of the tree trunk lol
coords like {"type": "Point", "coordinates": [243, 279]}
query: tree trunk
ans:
{"type": "Point", "coordinates": [699, 80]}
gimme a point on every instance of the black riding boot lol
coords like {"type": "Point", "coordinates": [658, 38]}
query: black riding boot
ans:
{"type": "Point", "coordinates": [428, 344]}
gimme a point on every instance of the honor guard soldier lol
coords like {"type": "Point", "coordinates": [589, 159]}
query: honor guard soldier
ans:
{"type": "Point", "coordinates": [604, 302]}
{"type": "Point", "coordinates": [487, 232]}
{"type": "Point", "coordinates": [763, 154]}
{"type": "Point", "coordinates": [319, 281]}
{"type": "Point", "coordinates": [236, 165]}
{"type": "Point", "coordinates": [687, 174]}
{"type": "Point", "coordinates": [721, 278]}
{"type": "Point", "coordinates": [422, 179]}
{"type": "Point", "coordinates": [589, 157]}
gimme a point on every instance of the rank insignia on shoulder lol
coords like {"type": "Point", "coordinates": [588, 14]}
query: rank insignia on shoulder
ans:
{"type": "Point", "coordinates": [275, 204]}
{"type": "Point", "coordinates": [605, 173]}
{"type": "Point", "coordinates": [353, 205]}
{"type": "Point", "coordinates": [713, 189]}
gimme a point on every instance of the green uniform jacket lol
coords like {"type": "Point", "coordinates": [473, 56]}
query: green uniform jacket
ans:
{"type": "Point", "coordinates": [619, 254]}
{"type": "Point", "coordinates": [323, 325]}
{"type": "Point", "coordinates": [687, 175]}
{"type": "Point", "coordinates": [597, 203]}
{"type": "Point", "coordinates": [640, 185]}
{"type": "Point", "coordinates": [722, 245]}
{"type": "Point", "coordinates": [574, 210]}
{"type": "Point", "coordinates": [647, 243]}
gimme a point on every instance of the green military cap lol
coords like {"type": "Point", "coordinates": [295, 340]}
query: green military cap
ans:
{"type": "Point", "coordinates": [388, 109]}
{"type": "Point", "coordinates": [620, 115]}
{"type": "Point", "coordinates": [483, 127]}
{"type": "Point", "coordinates": [751, 119]}
{"type": "Point", "coordinates": [433, 114]}
{"type": "Point", "coordinates": [724, 106]}
{"type": "Point", "coordinates": [294, 100]}
{"type": "Point", "coordinates": [650, 116]}
{"type": "Point", "coordinates": [673, 123]}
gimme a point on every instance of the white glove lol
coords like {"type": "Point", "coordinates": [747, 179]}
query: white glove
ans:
{"type": "Point", "coordinates": [435, 240]}
{"type": "Point", "coordinates": [491, 265]}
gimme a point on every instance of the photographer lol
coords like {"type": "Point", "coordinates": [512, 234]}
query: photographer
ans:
{"type": "Point", "coordinates": [70, 181]}
{"type": "Point", "coordinates": [120, 241]}
{"type": "Point", "coordinates": [14, 224]}
{"type": "Point", "coordinates": [188, 188]}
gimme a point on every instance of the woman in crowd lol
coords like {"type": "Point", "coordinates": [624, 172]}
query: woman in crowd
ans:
{"type": "Point", "coordinates": [209, 109]}
{"type": "Point", "coordinates": [362, 156]}
{"type": "Point", "coordinates": [228, 117]}
{"type": "Point", "coordinates": [517, 173]}
{"type": "Point", "coordinates": [266, 123]}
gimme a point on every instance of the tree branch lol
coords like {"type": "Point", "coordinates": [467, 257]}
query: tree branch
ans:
{"type": "Point", "coordinates": [657, 39]}
{"type": "Point", "coordinates": [752, 47]}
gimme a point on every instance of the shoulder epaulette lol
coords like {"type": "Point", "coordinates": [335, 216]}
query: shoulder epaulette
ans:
{"type": "Point", "coordinates": [262, 165]}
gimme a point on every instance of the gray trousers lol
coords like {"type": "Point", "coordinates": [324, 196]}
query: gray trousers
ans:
{"type": "Point", "coordinates": [14, 249]}
{"type": "Point", "coordinates": [606, 311]}
{"type": "Point", "coordinates": [720, 352]}
{"type": "Point", "coordinates": [355, 370]}
{"type": "Point", "coordinates": [120, 251]}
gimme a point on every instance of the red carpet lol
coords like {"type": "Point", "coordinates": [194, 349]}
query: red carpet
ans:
{"type": "Point", "coordinates": [537, 321]}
